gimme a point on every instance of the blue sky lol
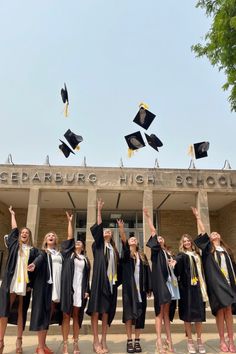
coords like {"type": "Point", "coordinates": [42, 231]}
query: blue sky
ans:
{"type": "Point", "coordinates": [112, 54]}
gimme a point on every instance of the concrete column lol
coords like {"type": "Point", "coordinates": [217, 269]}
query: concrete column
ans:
{"type": "Point", "coordinates": [33, 213]}
{"type": "Point", "coordinates": [91, 219]}
{"type": "Point", "coordinates": [202, 206]}
{"type": "Point", "coordinates": [148, 204]}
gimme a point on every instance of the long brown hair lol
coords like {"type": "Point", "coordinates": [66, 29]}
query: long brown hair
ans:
{"type": "Point", "coordinates": [224, 245]}
{"type": "Point", "coordinates": [44, 244]}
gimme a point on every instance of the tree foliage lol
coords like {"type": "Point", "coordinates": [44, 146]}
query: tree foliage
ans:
{"type": "Point", "coordinates": [220, 41]}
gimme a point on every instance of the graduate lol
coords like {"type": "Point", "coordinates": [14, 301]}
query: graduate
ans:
{"type": "Point", "coordinates": [103, 296]}
{"type": "Point", "coordinates": [74, 286]}
{"type": "Point", "coordinates": [46, 290]}
{"type": "Point", "coordinates": [164, 284]}
{"type": "Point", "coordinates": [193, 293]}
{"type": "Point", "coordinates": [16, 285]}
{"type": "Point", "coordinates": [136, 286]}
{"type": "Point", "coordinates": [219, 265]}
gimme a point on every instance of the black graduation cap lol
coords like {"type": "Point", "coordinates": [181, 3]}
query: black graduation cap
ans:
{"type": "Point", "coordinates": [65, 149]}
{"type": "Point", "coordinates": [135, 141]}
{"type": "Point", "coordinates": [144, 117]}
{"type": "Point", "coordinates": [153, 141]}
{"type": "Point", "coordinates": [73, 139]}
{"type": "Point", "coordinates": [200, 149]}
{"type": "Point", "coordinates": [131, 234]}
{"type": "Point", "coordinates": [65, 99]}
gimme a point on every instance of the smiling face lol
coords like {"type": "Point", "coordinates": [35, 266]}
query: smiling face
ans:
{"type": "Point", "coordinates": [161, 240]}
{"type": "Point", "coordinates": [79, 246]}
{"type": "Point", "coordinates": [50, 240]}
{"type": "Point", "coordinates": [25, 235]}
{"type": "Point", "coordinates": [187, 244]}
{"type": "Point", "coordinates": [133, 241]}
{"type": "Point", "coordinates": [215, 237]}
{"type": "Point", "coordinates": [107, 234]}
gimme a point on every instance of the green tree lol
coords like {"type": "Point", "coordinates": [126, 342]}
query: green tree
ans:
{"type": "Point", "coordinates": [220, 41]}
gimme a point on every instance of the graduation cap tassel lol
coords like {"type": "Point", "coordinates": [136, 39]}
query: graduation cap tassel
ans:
{"type": "Point", "coordinates": [130, 153]}
{"type": "Point", "coordinates": [66, 109]}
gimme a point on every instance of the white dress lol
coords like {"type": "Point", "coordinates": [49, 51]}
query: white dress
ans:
{"type": "Point", "coordinates": [20, 277]}
{"type": "Point", "coordinates": [56, 275]}
{"type": "Point", "coordinates": [79, 265]}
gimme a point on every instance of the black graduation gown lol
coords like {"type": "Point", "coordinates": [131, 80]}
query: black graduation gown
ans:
{"type": "Point", "coordinates": [41, 316]}
{"type": "Point", "coordinates": [132, 308]}
{"type": "Point", "coordinates": [191, 305]}
{"type": "Point", "coordinates": [5, 311]}
{"type": "Point", "coordinates": [67, 275]}
{"type": "Point", "coordinates": [101, 299]}
{"type": "Point", "coordinates": [220, 293]}
{"type": "Point", "coordinates": [159, 278]}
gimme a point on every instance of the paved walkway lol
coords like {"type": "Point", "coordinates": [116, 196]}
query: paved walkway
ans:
{"type": "Point", "coordinates": [116, 343]}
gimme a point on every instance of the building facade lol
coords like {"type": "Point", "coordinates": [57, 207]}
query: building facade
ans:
{"type": "Point", "coordinates": [40, 195]}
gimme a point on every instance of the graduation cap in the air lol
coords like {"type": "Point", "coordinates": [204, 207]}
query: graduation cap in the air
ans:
{"type": "Point", "coordinates": [73, 139]}
{"type": "Point", "coordinates": [65, 99]}
{"type": "Point", "coordinates": [199, 150]}
{"type": "Point", "coordinates": [65, 149]}
{"type": "Point", "coordinates": [144, 117]}
{"type": "Point", "coordinates": [153, 141]}
{"type": "Point", "coordinates": [134, 141]}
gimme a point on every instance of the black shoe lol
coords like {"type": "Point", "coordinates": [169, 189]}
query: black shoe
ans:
{"type": "Point", "coordinates": [137, 346]}
{"type": "Point", "coordinates": [129, 347]}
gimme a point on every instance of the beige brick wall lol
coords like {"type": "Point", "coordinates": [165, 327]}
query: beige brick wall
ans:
{"type": "Point", "coordinates": [227, 225]}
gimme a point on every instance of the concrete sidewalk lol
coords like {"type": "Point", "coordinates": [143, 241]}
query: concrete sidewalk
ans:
{"type": "Point", "coordinates": [116, 343]}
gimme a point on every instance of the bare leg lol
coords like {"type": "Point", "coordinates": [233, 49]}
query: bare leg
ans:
{"type": "Point", "coordinates": [137, 333]}
{"type": "Point", "coordinates": [65, 328]}
{"type": "Point", "coordinates": [220, 327]}
{"type": "Point", "coordinates": [158, 325]}
{"type": "Point", "coordinates": [41, 341]}
{"type": "Point", "coordinates": [19, 326]}
{"type": "Point", "coordinates": [94, 323]}
{"type": "Point", "coordinates": [128, 326]}
{"type": "Point", "coordinates": [167, 327]}
{"type": "Point", "coordinates": [3, 321]}
{"type": "Point", "coordinates": [104, 332]}
{"type": "Point", "coordinates": [76, 329]}
{"type": "Point", "coordinates": [229, 325]}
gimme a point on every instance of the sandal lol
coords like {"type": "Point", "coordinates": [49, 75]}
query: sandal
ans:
{"type": "Point", "coordinates": [137, 346]}
{"type": "Point", "coordinates": [65, 347]}
{"type": "Point", "coordinates": [191, 347]}
{"type": "Point", "coordinates": [1, 346]}
{"type": "Point", "coordinates": [223, 347]}
{"type": "Point", "coordinates": [48, 350]}
{"type": "Point", "coordinates": [76, 347]}
{"type": "Point", "coordinates": [19, 345]}
{"type": "Point", "coordinates": [232, 348]}
{"type": "Point", "coordinates": [97, 349]}
{"type": "Point", "coordinates": [160, 348]}
{"type": "Point", "coordinates": [200, 346]}
{"type": "Point", "coordinates": [129, 346]}
{"type": "Point", "coordinates": [169, 346]}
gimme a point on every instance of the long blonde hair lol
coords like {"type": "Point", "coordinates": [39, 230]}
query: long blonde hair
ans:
{"type": "Point", "coordinates": [44, 244]}
{"type": "Point", "coordinates": [181, 244]}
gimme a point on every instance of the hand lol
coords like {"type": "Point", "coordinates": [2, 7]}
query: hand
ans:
{"type": "Point", "coordinates": [195, 212]}
{"type": "Point", "coordinates": [120, 223]}
{"type": "Point", "coordinates": [69, 216]}
{"type": "Point", "coordinates": [172, 262]}
{"type": "Point", "coordinates": [31, 267]}
{"type": "Point", "coordinates": [146, 212]}
{"type": "Point", "coordinates": [100, 204]}
{"type": "Point", "coordinates": [86, 295]}
{"type": "Point", "coordinates": [11, 210]}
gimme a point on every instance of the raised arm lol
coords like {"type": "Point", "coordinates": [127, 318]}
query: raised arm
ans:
{"type": "Point", "coordinates": [121, 230]}
{"type": "Point", "coordinates": [150, 223]}
{"type": "Point", "coordinates": [70, 226]}
{"type": "Point", "coordinates": [99, 212]}
{"type": "Point", "coordinates": [200, 225]}
{"type": "Point", "coordinates": [13, 218]}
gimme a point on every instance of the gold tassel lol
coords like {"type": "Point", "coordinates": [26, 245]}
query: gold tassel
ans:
{"type": "Point", "coordinates": [77, 147]}
{"type": "Point", "coordinates": [66, 109]}
{"type": "Point", "coordinates": [130, 153]}
{"type": "Point", "coordinates": [191, 151]}
{"type": "Point", "coordinates": [143, 105]}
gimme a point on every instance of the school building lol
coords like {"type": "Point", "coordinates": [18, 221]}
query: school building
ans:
{"type": "Point", "coordinates": [41, 194]}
